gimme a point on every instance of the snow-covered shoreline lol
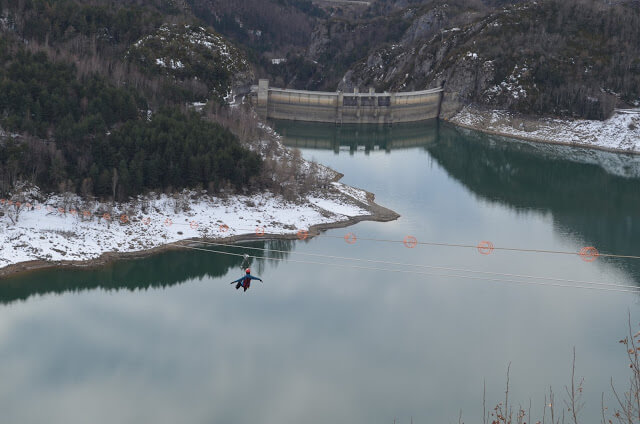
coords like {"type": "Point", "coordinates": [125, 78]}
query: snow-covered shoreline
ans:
{"type": "Point", "coordinates": [67, 230]}
{"type": "Point", "coordinates": [620, 133]}
{"type": "Point", "coordinates": [49, 234]}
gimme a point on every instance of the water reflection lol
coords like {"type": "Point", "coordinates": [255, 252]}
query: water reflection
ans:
{"type": "Point", "coordinates": [158, 271]}
{"type": "Point", "coordinates": [323, 343]}
{"type": "Point", "coordinates": [586, 199]}
{"type": "Point", "coordinates": [592, 196]}
{"type": "Point", "coordinates": [356, 137]}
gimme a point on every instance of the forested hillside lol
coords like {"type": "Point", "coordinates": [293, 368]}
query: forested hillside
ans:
{"type": "Point", "coordinates": [572, 58]}
{"type": "Point", "coordinates": [86, 105]}
{"type": "Point", "coordinates": [77, 77]}
{"type": "Point", "coordinates": [269, 29]}
{"type": "Point", "coordinates": [263, 25]}
{"type": "Point", "coordinates": [576, 58]}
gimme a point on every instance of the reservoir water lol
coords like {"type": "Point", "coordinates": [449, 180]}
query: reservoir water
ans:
{"type": "Point", "coordinates": [166, 339]}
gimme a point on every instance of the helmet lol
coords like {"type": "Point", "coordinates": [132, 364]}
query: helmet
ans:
{"type": "Point", "coordinates": [248, 271]}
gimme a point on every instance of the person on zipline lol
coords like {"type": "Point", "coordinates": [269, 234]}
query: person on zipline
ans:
{"type": "Point", "coordinates": [245, 281]}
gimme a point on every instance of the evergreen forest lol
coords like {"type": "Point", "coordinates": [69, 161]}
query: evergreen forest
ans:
{"type": "Point", "coordinates": [76, 115]}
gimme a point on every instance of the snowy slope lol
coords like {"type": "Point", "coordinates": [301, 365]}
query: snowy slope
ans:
{"type": "Point", "coordinates": [51, 232]}
{"type": "Point", "coordinates": [620, 133]}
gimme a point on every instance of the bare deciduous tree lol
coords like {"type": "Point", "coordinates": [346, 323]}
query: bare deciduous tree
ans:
{"type": "Point", "coordinates": [628, 409]}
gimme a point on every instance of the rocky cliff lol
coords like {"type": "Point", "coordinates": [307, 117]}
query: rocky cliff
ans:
{"type": "Point", "coordinates": [545, 58]}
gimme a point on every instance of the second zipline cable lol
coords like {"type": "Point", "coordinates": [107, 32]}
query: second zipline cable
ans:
{"type": "Point", "coordinates": [536, 283]}
{"type": "Point", "coordinates": [442, 268]}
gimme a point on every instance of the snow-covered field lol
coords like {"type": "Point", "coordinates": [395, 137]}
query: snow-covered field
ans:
{"type": "Point", "coordinates": [621, 132]}
{"type": "Point", "coordinates": [51, 231]}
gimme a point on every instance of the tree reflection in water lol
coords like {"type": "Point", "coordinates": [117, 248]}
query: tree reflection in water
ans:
{"type": "Point", "coordinates": [157, 271]}
{"type": "Point", "coordinates": [592, 196]}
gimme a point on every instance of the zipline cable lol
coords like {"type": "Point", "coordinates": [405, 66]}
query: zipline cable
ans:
{"type": "Point", "coordinates": [346, 258]}
{"type": "Point", "coordinates": [195, 224]}
{"type": "Point", "coordinates": [471, 246]}
{"type": "Point", "coordinates": [537, 283]}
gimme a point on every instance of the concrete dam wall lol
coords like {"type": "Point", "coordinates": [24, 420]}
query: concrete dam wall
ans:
{"type": "Point", "coordinates": [346, 108]}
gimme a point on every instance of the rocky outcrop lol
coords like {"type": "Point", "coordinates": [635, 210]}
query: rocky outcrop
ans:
{"type": "Point", "coordinates": [468, 79]}
{"type": "Point", "coordinates": [504, 58]}
{"type": "Point", "coordinates": [194, 55]}
{"type": "Point", "coordinates": [319, 42]}
{"type": "Point", "coordinates": [432, 63]}
{"type": "Point", "coordinates": [425, 26]}
{"type": "Point", "coordinates": [426, 57]}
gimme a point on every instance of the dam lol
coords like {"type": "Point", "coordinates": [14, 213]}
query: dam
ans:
{"type": "Point", "coordinates": [346, 108]}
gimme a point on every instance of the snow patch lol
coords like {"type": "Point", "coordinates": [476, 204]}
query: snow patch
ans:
{"type": "Point", "coordinates": [336, 207]}
{"type": "Point", "coordinates": [511, 86]}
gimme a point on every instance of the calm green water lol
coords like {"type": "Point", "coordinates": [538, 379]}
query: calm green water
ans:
{"type": "Point", "coordinates": [166, 339]}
